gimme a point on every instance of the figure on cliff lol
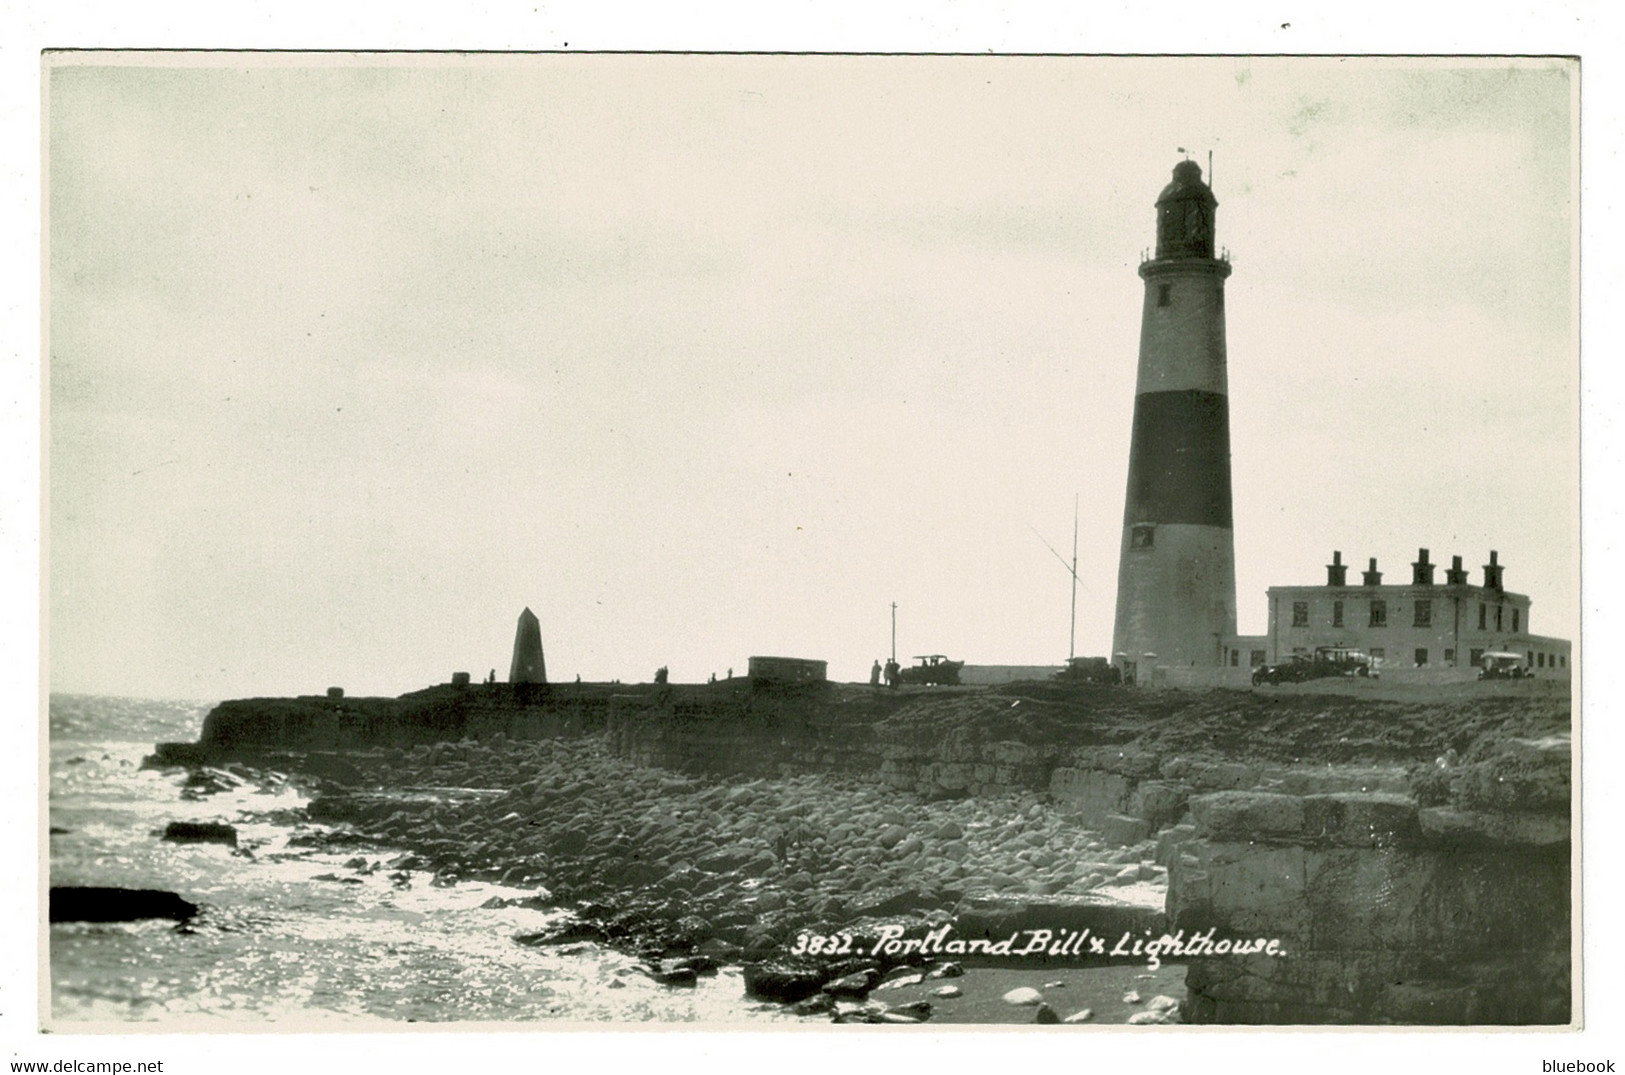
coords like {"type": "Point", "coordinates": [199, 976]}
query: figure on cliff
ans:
{"type": "Point", "coordinates": [893, 670]}
{"type": "Point", "coordinates": [660, 675]}
{"type": "Point", "coordinates": [874, 674]}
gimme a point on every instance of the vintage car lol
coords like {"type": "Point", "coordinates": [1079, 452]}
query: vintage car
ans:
{"type": "Point", "coordinates": [1090, 670]}
{"type": "Point", "coordinates": [933, 669]}
{"type": "Point", "coordinates": [1499, 665]}
{"type": "Point", "coordinates": [1325, 663]}
{"type": "Point", "coordinates": [1292, 668]}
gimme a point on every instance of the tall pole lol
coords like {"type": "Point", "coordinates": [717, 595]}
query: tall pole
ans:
{"type": "Point", "coordinates": [1072, 639]}
{"type": "Point", "coordinates": [894, 631]}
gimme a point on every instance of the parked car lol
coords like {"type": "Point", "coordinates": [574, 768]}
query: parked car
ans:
{"type": "Point", "coordinates": [1090, 670]}
{"type": "Point", "coordinates": [1292, 668]}
{"type": "Point", "coordinates": [1503, 666]}
{"type": "Point", "coordinates": [1325, 663]}
{"type": "Point", "coordinates": [934, 669]}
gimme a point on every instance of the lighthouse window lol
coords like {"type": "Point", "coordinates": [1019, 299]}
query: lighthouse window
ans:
{"type": "Point", "coordinates": [1165, 295]}
{"type": "Point", "coordinates": [1300, 614]}
{"type": "Point", "coordinates": [1140, 537]}
{"type": "Point", "coordinates": [1515, 619]}
{"type": "Point", "coordinates": [1337, 613]}
{"type": "Point", "coordinates": [1379, 613]}
{"type": "Point", "coordinates": [1424, 613]}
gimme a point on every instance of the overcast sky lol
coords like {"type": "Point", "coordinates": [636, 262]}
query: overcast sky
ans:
{"type": "Point", "coordinates": [351, 359]}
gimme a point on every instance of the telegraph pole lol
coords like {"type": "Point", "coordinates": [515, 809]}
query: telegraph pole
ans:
{"type": "Point", "coordinates": [1072, 640]}
{"type": "Point", "coordinates": [894, 632]}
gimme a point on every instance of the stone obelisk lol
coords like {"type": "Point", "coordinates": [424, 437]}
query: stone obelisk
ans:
{"type": "Point", "coordinates": [1176, 576]}
{"type": "Point", "coordinates": [528, 665]}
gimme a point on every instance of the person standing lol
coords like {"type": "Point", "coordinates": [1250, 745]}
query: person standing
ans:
{"type": "Point", "coordinates": [874, 674]}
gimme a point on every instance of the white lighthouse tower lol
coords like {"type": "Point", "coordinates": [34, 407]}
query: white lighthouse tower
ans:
{"type": "Point", "coordinates": [1176, 577]}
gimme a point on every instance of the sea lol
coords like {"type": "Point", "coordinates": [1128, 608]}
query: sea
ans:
{"type": "Point", "coordinates": [293, 936]}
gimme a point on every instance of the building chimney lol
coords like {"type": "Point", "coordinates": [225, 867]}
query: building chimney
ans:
{"type": "Point", "coordinates": [1337, 572]}
{"type": "Point", "coordinates": [1492, 573]}
{"type": "Point", "coordinates": [1455, 574]}
{"type": "Point", "coordinates": [1371, 576]}
{"type": "Point", "coordinates": [1421, 570]}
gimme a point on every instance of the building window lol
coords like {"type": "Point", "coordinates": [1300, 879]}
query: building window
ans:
{"type": "Point", "coordinates": [1531, 656]}
{"type": "Point", "coordinates": [1481, 611]}
{"type": "Point", "coordinates": [1498, 610]}
{"type": "Point", "coordinates": [1235, 658]}
{"type": "Point", "coordinates": [1165, 295]}
{"type": "Point", "coordinates": [1421, 658]}
{"type": "Point", "coordinates": [1540, 660]}
{"type": "Point", "coordinates": [1424, 613]}
{"type": "Point", "coordinates": [1379, 613]}
{"type": "Point", "coordinates": [1300, 614]}
{"type": "Point", "coordinates": [1475, 657]}
{"type": "Point", "coordinates": [1562, 661]}
{"type": "Point", "coordinates": [1141, 537]}
{"type": "Point", "coordinates": [1515, 620]}
{"type": "Point", "coordinates": [1337, 613]}
{"type": "Point", "coordinates": [1450, 658]}
{"type": "Point", "coordinates": [1257, 657]}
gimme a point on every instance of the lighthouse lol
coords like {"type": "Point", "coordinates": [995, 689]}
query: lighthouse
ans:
{"type": "Point", "coordinates": [1176, 576]}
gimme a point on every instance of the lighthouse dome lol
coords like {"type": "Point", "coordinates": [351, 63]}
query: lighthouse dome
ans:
{"type": "Point", "coordinates": [1185, 214]}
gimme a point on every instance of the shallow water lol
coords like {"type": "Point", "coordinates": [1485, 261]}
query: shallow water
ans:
{"type": "Point", "coordinates": [273, 943]}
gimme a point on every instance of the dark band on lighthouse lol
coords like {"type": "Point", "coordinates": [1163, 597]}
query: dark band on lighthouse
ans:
{"type": "Point", "coordinates": [1175, 475]}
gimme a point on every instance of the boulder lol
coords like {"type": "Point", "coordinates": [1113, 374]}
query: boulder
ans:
{"type": "Point", "coordinates": [1243, 815]}
{"type": "Point", "coordinates": [1125, 831]}
{"type": "Point", "coordinates": [1361, 819]}
{"type": "Point", "coordinates": [783, 981]}
{"type": "Point", "coordinates": [93, 904]}
{"type": "Point", "coordinates": [853, 985]}
{"type": "Point", "coordinates": [200, 832]}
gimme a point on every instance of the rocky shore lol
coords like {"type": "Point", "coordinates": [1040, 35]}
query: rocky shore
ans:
{"type": "Point", "coordinates": [791, 833]}
{"type": "Point", "coordinates": [693, 872]}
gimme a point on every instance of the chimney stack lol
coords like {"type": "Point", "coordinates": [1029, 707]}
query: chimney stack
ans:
{"type": "Point", "coordinates": [1371, 576]}
{"type": "Point", "coordinates": [1337, 572]}
{"type": "Point", "coordinates": [1492, 573]}
{"type": "Point", "coordinates": [1455, 574]}
{"type": "Point", "coordinates": [1421, 570]}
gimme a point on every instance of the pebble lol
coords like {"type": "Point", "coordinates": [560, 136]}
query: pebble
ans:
{"type": "Point", "coordinates": [1080, 1017]}
{"type": "Point", "coordinates": [1131, 997]}
{"type": "Point", "coordinates": [1046, 1015]}
{"type": "Point", "coordinates": [948, 991]}
{"type": "Point", "coordinates": [898, 983]}
{"type": "Point", "coordinates": [1025, 995]}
